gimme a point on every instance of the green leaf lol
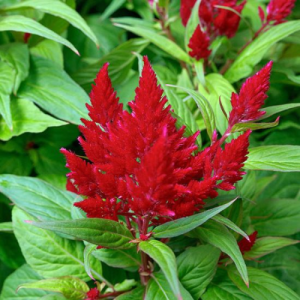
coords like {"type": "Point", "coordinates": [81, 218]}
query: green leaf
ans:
{"type": "Point", "coordinates": [26, 118]}
{"type": "Point", "coordinates": [124, 286]}
{"type": "Point", "coordinates": [135, 294]}
{"type": "Point", "coordinates": [59, 9]}
{"type": "Point", "coordinates": [282, 158]}
{"type": "Point", "coordinates": [16, 55]}
{"type": "Point", "coordinates": [37, 197]}
{"type": "Point", "coordinates": [197, 267]}
{"type": "Point", "coordinates": [125, 259]}
{"type": "Point", "coordinates": [266, 245]}
{"type": "Point", "coordinates": [276, 217]}
{"type": "Point", "coordinates": [6, 227]}
{"type": "Point", "coordinates": [71, 287]}
{"type": "Point", "coordinates": [159, 288]}
{"type": "Point", "coordinates": [184, 225]}
{"type": "Point", "coordinates": [218, 235]}
{"type": "Point", "coordinates": [24, 24]}
{"type": "Point", "coordinates": [222, 220]}
{"type": "Point", "coordinates": [106, 233]}
{"type": "Point", "coordinates": [165, 258]}
{"type": "Point", "coordinates": [204, 107]}
{"type": "Point", "coordinates": [254, 52]}
{"type": "Point", "coordinates": [46, 252]}
{"type": "Point", "coordinates": [254, 126]}
{"type": "Point", "coordinates": [22, 275]}
{"type": "Point", "coordinates": [160, 41]}
{"type": "Point", "coordinates": [111, 8]}
{"type": "Point", "coordinates": [272, 110]}
{"type": "Point", "coordinates": [54, 91]}
{"type": "Point", "coordinates": [263, 286]}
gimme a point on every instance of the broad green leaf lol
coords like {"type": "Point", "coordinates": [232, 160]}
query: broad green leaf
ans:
{"type": "Point", "coordinates": [184, 225]}
{"type": "Point", "coordinates": [263, 286]}
{"type": "Point", "coordinates": [121, 60]}
{"type": "Point", "coordinates": [124, 286]}
{"type": "Point", "coordinates": [54, 91]}
{"type": "Point", "coordinates": [111, 8]}
{"type": "Point", "coordinates": [135, 294]}
{"type": "Point", "coordinates": [165, 258]}
{"type": "Point", "coordinates": [7, 75]}
{"type": "Point", "coordinates": [37, 197]}
{"type": "Point", "coordinates": [197, 267]}
{"type": "Point", "coordinates": [71, 287]}
{"type": "Point", "coordinates": [16, 55]}
{"type": "Point", "coordinates": [160, 41]}
{"type": "Point", "coordinates": [127, 259]}
{"type": "Point", "coordinates": [46, 252]}
{"type": "Point", "coordinates": [26, 118]}
{"type": "Point", "coordinates": [204, 107]}
{"type": "Point", "coordinates": [276, 217]}
{"type": "Point", "coordinates": [6, 227]}
{"type": "Point", "coordinates": [254, 126]}
{"type": "Point", "coordinates": [255, 51]}
{"type": "Point", "coordinates": [22, 275]}
{"type": "Point", "coordinates": [272, 110]}
{"type": "Point", "coordinates": [59, 9]}
{"type": "Point", "coordinates": [282, 158]}
{"type": "Point", "coordinates": [106, 233]}
{"type": "Point", "coordinates": [266, 245]}
{"type": "Point", "coordinates": [159, 288]}
{"type": "Point", "coordinates": [219, 236]}
{"type": "Point", "coordinates": [222, 220]}
{"type": "Point", "coordinates": [24, 24]}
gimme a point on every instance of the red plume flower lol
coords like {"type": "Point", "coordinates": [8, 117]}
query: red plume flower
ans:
{"type": "Point", "coordinates": [199, 44]}
{"type": "Point", "coordinates": [93, 294]}
{"type": "Point", "coordinates": [246, 245]}
{"type": "Point", "coordinates": [139, 164]}
{"type": "Point", "coordinates": [246, 106]}
{"type": "Point", "coordinates": [278, 10]}
{"type": "Point", "coordinates": [186, 7]}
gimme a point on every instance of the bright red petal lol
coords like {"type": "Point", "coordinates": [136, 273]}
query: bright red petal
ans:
{"type": "Point", "coordinates": [199, 44]}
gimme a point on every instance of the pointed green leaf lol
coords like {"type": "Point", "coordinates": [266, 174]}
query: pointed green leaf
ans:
{"type": "Point", "coordinates": [272, 110]}
{"type": "Point", "coordinates": [254, 126]}
{"type": "Point", "coordinates": [6, 227]}
{"type": "Point", "coordinates": [165, 258]}
{"type": "Point", "coordinates": [184, 225]}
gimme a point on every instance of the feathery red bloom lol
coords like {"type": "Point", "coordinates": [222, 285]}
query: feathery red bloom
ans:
{"type": "Point", "coordinates": [246, 106]}
{"type": "Point", "coordinates": [199, 44]}
{"type": "Point", "coordinates": [278, 10]}
{"type": "Point", "coordinates": [93, 294]}
{"type": "Point", "coordinates": [246, 245]}
{"type": "Point", "coordinates": [140, 163]}
{"type": "Point", "coordinates": [186, 7]}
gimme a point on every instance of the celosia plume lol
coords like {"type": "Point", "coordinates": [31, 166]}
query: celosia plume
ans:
{"type": "Point", "coordinates": [139, 164]}
{"type": "Point", "coordinates": [278, 10]}
{"type": "Point", "coordinates": [199, 44]}
{"type": "Point", "coordinates": [246, 245]}
{"type": "Point", "coordinates": [93, 294]}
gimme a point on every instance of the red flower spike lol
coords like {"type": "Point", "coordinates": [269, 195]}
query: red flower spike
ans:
{"type": "Point", "coordinates": [278, 10]}
{"type": "Point", "coordinates": [199, 44]}
{"type": "Point", "coordinates": [186, 7]}
{"type": "Point", "coordinates": [93, 294]}
{"type": "Point", "coordinates": [246, 245]}
{"type": "Point", "coordinates": [261, 14]}
{"type": "Point", "coordinates": [246, 106]}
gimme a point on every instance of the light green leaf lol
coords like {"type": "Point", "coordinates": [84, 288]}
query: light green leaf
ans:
{"type": "Point", "coordinates": [106, 233]}
{"type": "Point", "coordinates": [263, 286]}
{"type": "Point", "coordinates": [204, 107]}
{"type": "Point", "coordinates": [266, 245]}
{"type": "Point", "coordinates": [37, 197]}
{"type": "Point", "coordinates": [165, 258]}
{"type": "Point", "coordinates": [160, 41]}
{"type": "Point", "coordinates": [22, 275]}
{"type": "Point", "coordinates": [254, 126]}
{"type": "Point", "coordinates": [282, 158]}
{"type": "Point", "coordinates": [184, 225]}
{"type": "Point", "coordinates": [71, 287]}
{"type": "Point", "coordinates": [222, 220]}
{"type": "Point", "coordinates": [26, 118]}
{"type": "Point", "coordinates": [282, 217]}
{"type": "Point", "coordinates": [53, 90]}
{"type": "Point", "coordinates": [218, 235]}
{"type": "Point", "coordinates": [58, 9]}
{"type": "Point", "coordinates": [111, 8]}
{"type": "Point", "coordinates": [254, 52]}
{"type": "Point", "coordinates": [197, 267]}
{"type": "Point", "coordinates": [16, 55]}
{"type": "Point", "coordinates": [272, 110]}
{"type": "Point", "coordinates": [47, 253]}
{"type": "Point", "coordinates": [6, 227]}
{"type": "Point", "coordinates": [24, 24]}
{"type": "Point", "coordinates": [135, 294]}
{"type": "Point", "coordinates": [159, 288]}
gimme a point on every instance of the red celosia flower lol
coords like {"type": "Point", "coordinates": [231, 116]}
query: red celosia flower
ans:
{"type": "Point", "coordinates": [246, 245]}
{"type": "Point", "coordinates": [199, 44]}
{"type": "Point", "coordinates": [278, 10]}
{"type": "Point", "coordinates": [92, 294]}
{"type": "Point", "coordinates": [246, 106]}
{"type": "Point", "coordinates": [186, 7]}
{"type": "Point", "coordinates": [140, 164]}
